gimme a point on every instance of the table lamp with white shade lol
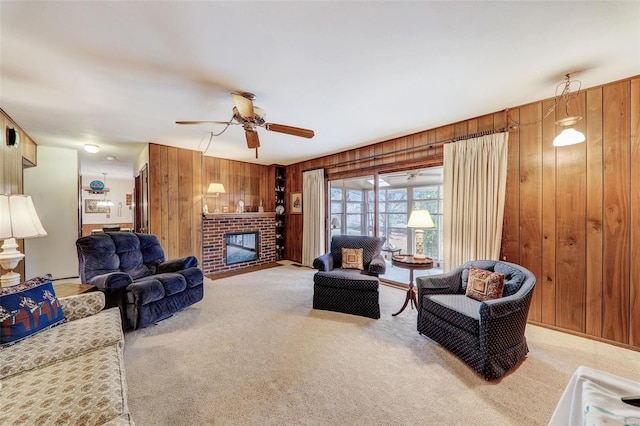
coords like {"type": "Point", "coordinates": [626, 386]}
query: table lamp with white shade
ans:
{"type": "Point", "coordinates": [214, 190]}
{"type": "Point", "coordinates": [419, 220]}
{"type": "Point", "coordinates": [18, 219]}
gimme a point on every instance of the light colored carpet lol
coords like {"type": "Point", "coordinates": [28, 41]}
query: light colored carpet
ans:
{"type": "Point", "coordinates": [254, 352]}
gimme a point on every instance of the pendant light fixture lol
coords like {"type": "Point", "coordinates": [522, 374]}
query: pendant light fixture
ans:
{"type": "Point", "coordinates": [569, 135]}
{"type": "Point", "coordinates": [104, 202]}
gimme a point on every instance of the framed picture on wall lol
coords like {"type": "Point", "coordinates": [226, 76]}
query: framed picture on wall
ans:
{"type": "Point", "coordinates": [91, 206]}
{"type": "Point", "coordinates": [296, 202]}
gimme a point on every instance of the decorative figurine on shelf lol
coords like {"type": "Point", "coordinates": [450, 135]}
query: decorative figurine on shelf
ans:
{"type": "Point", "coordinates": [205, 209]}
{"type": "Point", "coordinates": [261, 207]}
{"type": "Point", "coordinates": [240, 206]}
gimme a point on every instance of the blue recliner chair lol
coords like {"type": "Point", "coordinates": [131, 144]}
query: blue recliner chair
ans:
{"type": "Point", "coordinates": [131, 270]}
{"type": "Point", "coordinates": [352, 291]}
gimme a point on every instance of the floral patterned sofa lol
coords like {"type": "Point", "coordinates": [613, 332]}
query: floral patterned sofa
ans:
{"type": "Point", "coordinates": [69, 374]}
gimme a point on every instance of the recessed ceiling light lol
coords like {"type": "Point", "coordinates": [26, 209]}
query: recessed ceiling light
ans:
{"type": "Point", "coordinates": [111, 157]}
{"type": "Point", "coordinates": [92, 148]}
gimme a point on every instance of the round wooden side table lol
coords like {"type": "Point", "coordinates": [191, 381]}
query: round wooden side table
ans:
{"type": "Point", "coordinates": [407, 261]}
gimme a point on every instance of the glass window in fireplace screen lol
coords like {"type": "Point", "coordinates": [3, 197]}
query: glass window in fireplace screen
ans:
{"type": "Point", "coordinates": [242, 247]}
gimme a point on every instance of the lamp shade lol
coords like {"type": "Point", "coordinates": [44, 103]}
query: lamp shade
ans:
{"type": "Point", "coordinates": [335, 223]}
{"type": "Point", "coordinates": [569, 136]}
{"type": "Point", "coordinates": [216, 188]}
{"type": "Point", "coordinates": [18, 218]}
{"type": "Point", "coordinates": [420, 219]}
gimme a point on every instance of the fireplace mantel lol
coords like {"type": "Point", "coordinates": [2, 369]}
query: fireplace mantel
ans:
{"type": "Point", "coordinates": [239, 215]}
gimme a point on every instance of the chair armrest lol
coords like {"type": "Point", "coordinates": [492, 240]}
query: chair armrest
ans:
{"type": "Point", "coordinates": [324, 262]}
{"type": "Point", "coordinates": [448, 283]}
{"type": "Point", "coordinates": [111, 281]}
{"type": "Point", "coordinates": [504, 306]}
{"type": "Point", "coordinates": [175, 265]}
{"type": "Point", "coordinates": [497, 315]}
{"type": "Point", "coordinates": [82, 305]}
{"type": "Point", "coordinates": [377, 265]}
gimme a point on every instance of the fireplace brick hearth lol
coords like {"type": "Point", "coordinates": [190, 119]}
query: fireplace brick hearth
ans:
{"type": "Point", "coordinates": [216, 226]}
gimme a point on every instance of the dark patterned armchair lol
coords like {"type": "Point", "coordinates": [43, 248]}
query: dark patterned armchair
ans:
{"type": "Point", "coordinates": [488, 335]}
{"type": "Point", "coordinates": [131, 270]}
{"type": "Point", "coordinates": [342, 287]}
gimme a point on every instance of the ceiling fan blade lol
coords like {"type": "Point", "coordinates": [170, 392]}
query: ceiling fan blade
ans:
{"type": "Point", "coordinates": [202, 122]}
{"type": "Point", "coordinates": [252, 139]}
{"type": "Point", "coordinates": [244, 105]}
{"type": "Point", "coordinates": [289, 130]}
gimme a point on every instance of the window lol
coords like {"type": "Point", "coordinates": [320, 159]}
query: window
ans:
{"type": "Point", "coordinates": [351, 211]}
{"type": "Point", "coordinates": [393, 217]}
{"type": "Point", "coordinates": [352, 208]}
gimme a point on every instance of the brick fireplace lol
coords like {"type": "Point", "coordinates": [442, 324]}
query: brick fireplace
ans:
{"type": "Point", "coordinates": [216, 226]}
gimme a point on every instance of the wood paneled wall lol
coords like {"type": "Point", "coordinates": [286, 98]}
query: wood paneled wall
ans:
{"type": "Point", "coordinates": [242, 181]}
{"type": "Point", "coordinates": [12, 161]}
{"type": "Point", "coordinates": [571, 215]}
{"type": "Point", "coordinates": [175, 200]}
{"type": "Point", "coordinates": [178, 180]}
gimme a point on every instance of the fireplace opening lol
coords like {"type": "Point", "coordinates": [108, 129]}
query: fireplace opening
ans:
{"type": "Point", "coordinates": [242, 247]}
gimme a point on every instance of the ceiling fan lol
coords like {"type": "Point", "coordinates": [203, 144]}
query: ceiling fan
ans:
{"type": "Point", "coordinates": [250, 116]}
{"type": "Point", "coordinates": [412, 174]}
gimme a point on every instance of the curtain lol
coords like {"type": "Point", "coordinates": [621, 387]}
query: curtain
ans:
{"type": "Point", "coordinates": [313, 206]}
{"type": "Point", "coordinates": [475, 177]}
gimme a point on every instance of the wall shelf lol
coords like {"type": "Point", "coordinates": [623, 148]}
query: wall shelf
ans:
{"type": "Point", "coordinates": [281, 209]}
{"type": "Point", "coordinates": [94, 192]}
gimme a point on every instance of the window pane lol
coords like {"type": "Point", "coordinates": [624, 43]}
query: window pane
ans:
{"type": "Point", "coordinates": [354, 207]}
{"type": "Point", "coordinates": [396, 194]}
{"type": "Point", "coordinates": [420, 205]}
{"type": "Point", "coordinates": [431, 243]}
{"type": "Point", "coordinates": [419, 193]}
{"type": "Point", "coordinates": [336, 207]}
{"type": "Point", "coordinates": [396, 207]}
{"type": "Point", "coordinates": [431, 205]}
{"type": "Point", "coordinates": [354, 224]}
{"type": "Point", "coordinates": [397, 220]}
{"type": "Point", "coordinates": [336, 193]}
{"type": "Point", "coordinates": [398, 238]}
{"type": "Point", "coordinates": [354, 195]}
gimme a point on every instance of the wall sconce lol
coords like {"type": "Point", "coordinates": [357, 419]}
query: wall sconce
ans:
{"type": "Point", "coordinates": [18, 219]}
{"type": "Point", "coordinates": [420, 219]}
{"type": "Point", "coordinates": [214, 190]}
{"type": "Point", "coordinates": [569, 135]}
{"type": "Point", "coordinates": [335, 223]}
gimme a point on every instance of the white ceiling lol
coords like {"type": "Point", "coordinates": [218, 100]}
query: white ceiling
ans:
{"type": "Point", "coordinates": [119, 74]}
